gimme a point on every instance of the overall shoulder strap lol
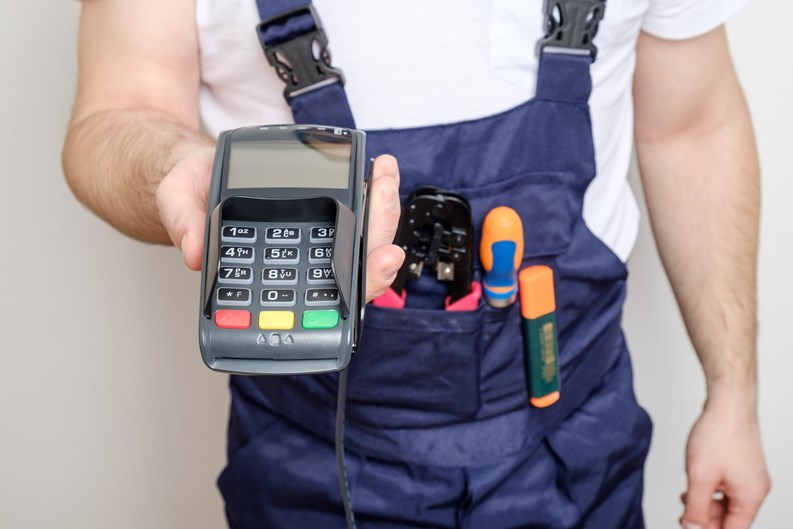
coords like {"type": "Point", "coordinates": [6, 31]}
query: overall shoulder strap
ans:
{"type": "Point", "coordinates": [295, 44]}
{"type": "Point", "coordinates": [567, 50]}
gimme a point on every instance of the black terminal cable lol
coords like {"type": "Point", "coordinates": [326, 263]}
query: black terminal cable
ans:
{"type": "Point", "coordinates": [341, 401]}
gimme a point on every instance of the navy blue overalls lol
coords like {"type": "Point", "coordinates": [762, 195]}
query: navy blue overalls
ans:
{"type": "Point", "coordinates": [439, 429]}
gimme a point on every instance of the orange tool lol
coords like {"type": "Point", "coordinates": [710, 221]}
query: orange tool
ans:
{"type": "Point", "coordinates": [501, 251]}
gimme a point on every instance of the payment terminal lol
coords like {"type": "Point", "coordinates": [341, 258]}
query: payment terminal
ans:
{"type": "Point", "coordinates": [282, 288]}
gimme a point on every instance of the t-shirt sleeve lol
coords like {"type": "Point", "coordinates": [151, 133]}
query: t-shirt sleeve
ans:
{"type": "Point", "coordinates": [683, 19]}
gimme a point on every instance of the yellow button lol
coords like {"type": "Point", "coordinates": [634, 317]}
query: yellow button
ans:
{"type": "Point", "coordinates": [276, 320]}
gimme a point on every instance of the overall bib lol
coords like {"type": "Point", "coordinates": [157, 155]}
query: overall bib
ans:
{"type": "Point", "coordinates": [439, 430]}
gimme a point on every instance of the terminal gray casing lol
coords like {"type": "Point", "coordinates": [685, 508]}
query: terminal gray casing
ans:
{"type": "Point", "coordinates": [252, 351]}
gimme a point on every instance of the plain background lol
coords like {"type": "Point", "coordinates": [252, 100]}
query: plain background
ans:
{"type": "Point", "coordinates": [108, 418]}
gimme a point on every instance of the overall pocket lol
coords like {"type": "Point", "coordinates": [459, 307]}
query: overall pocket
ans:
{"type": "Point", "coordinates": [415, 368]}
{"type": "Point", "coordinates": [420, 367]}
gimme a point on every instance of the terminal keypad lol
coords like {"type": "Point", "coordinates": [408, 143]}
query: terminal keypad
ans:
{"type": "Point", "coordinates": [284, 269]}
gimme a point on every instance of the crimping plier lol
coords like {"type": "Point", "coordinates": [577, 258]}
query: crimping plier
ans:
{"type": "Point", "coordinates": [436, 230]}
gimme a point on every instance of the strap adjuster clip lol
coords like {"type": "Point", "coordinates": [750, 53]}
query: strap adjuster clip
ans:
{"type": "Point", "coordinates": [302, 61]}
{"type": "Point", "coordinates": [571, 26]}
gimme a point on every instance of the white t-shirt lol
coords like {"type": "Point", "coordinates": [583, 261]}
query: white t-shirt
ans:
{"type": "Point", "coordinates": [421, 62]}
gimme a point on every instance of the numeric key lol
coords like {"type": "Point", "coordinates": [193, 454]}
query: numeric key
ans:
{"type": "Point", "coordinates": [282, 235]}
{"type": "Point", "coordinates": [277, 298]}
{"type": "Point", "coordinates": [322, 234]}
{"type": "Point", "coordinates": [320, 276]}
{"type": "Point", "coordinates": [236, 254]}
{"type": "Point", "coordinates": [235, 275]}
{"type": "Point", "coordinates": [281, 256]}
{"type": "Point", "coordinates": [320, 255]}
{"type": "Point", "coordinates": [279, 276]}
{"type": "Point", "coordinates": [238, 234]}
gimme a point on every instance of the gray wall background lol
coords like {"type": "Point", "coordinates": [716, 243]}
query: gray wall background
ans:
{"type": "Point", "coordinates": [108, 417]}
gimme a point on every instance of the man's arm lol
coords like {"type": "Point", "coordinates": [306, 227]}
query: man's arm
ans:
{"type": "Point", "coordinates": [134, 154]}
{"type": "Point", "coordinates": [136, 114]}
{"type": "Point", "coordinates": [700, 173]}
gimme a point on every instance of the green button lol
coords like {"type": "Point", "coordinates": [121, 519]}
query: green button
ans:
{"type": "Point", "coordinates": [320, 319]}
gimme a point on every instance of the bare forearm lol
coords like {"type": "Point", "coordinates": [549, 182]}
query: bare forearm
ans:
{"type": "Point", "coordinates": [702, 188]}
{"type": "Point", "coordinates": [114, 161]}
{"type": "Point", "coordinates": [701, 179]}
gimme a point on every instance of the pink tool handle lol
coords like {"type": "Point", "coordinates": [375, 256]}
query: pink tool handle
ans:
{"type": "Point", "coordinates": [467, 302]}
{"type": "Point", "coordinates": [390, 300]}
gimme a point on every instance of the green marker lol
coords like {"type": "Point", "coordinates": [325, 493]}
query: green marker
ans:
{"type": "Point", "coordinates": [540, 342]}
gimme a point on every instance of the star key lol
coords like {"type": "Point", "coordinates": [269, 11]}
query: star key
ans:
{"type": "Point", "coordinates": [233, 296]}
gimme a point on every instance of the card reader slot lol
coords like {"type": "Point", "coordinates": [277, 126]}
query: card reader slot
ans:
{"type": "Point", "coordinates": [315, 209]}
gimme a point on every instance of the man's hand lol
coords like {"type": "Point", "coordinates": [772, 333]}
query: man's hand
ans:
{"type": "Point", "coordinates": [182, 203]}
{"type": "Point", "coordinates": [383, 257]}
{"type": "Point", "coordinates": [134, 153]}
{"type": "Point", "coordinates": [725, 455]}
{"type": "Point", "coordinates": [700, 173]}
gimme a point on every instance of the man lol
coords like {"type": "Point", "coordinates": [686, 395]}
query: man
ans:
{"type": "Point", "coordinates": [136, 156]}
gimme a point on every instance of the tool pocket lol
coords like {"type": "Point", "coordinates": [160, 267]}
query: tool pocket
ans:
{"type": "Point", "coordinates": [415, 368]}
{"type": "Point", "coordinates": [544, 203]}
{"type": "Point", "coordinates": [422, 367]}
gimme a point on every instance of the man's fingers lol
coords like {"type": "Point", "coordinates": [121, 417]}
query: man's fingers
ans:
{"type": "Point", "coordinates": [182, 211]}
{"type": "Point", "coordinates": [718, 509]}
{"type": "Point", "coordinates": [742, 506]}
{"type": "Point", "coordinates": [699, 501]}
{"type": "Point", "coordinates": [384, 258]}
{"type": "Point", "coordinates": [184, 219]}
{"type": "Point", "coordinates": [384, 206]}
{"type": "Point", "coordinates": [182, 202]}
{"type": "Point", "coordinates": [384, 212]}
{"type": "Point", "coordinates": [382, 266]}
{"type": "Point", "coordinates": [737, 520]}
{"type": "Point", "coordinates": [192, 244]}
{"type": "Point", "coordinates": [386, 165]}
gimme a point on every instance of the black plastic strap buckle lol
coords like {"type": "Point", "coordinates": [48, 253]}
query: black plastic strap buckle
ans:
{"type": "Point", "coordinates": [571, 26]}
{"type": "Point", "coordinates": [301, 61]}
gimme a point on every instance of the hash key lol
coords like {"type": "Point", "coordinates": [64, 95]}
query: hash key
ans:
{"type": "Point", "coordinates": [322, 296]}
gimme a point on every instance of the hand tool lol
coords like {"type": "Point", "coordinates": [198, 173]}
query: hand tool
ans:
{"type": "Point", "coordinates": [501, 251]}
{"type": "Point", "coordinates": [540, 342]}
{"type": "Point", "coordinates": [436, 229]}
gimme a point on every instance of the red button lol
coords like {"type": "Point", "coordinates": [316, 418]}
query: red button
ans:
{"type": "Point", "coordinates": [233, 319]}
